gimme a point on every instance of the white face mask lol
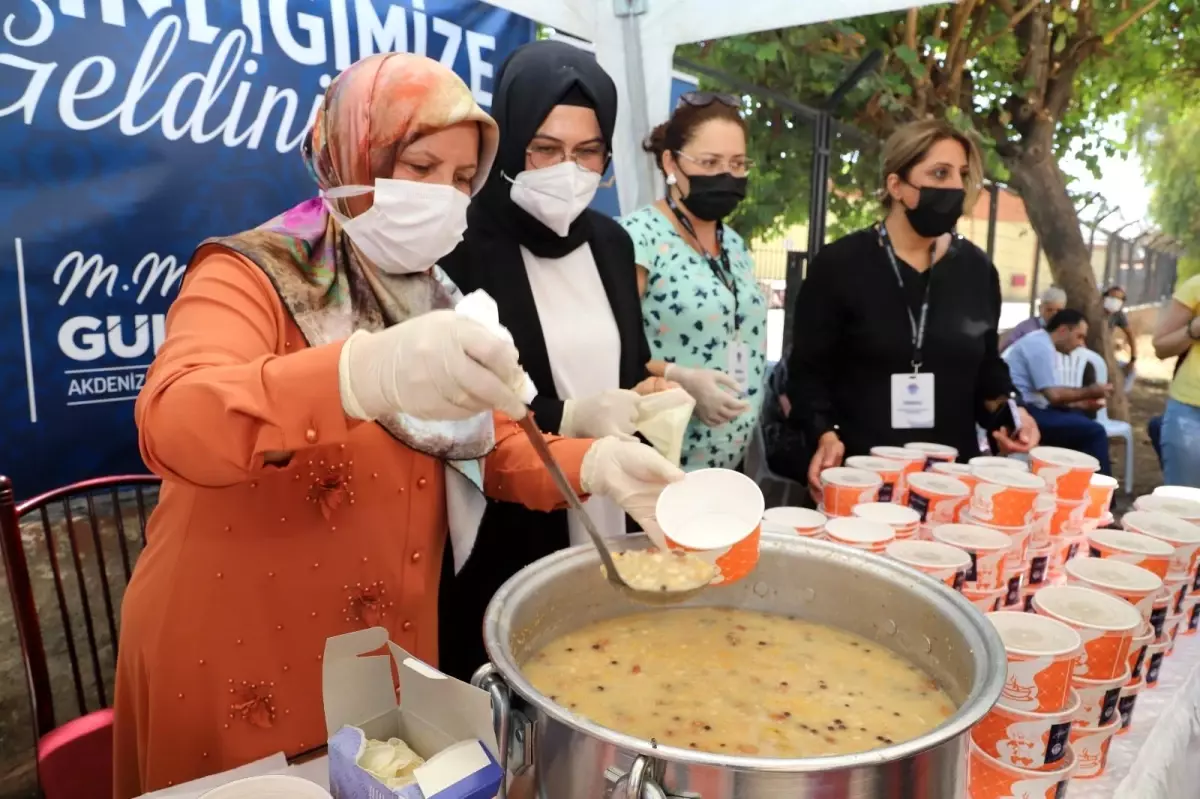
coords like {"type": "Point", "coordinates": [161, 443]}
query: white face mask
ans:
{"type": "Point", "coordinates": [556, 195]}
{"type": "Point", "coordinates": [1113, 304]}
{"type": "Point", "coordinates": [409, 227]}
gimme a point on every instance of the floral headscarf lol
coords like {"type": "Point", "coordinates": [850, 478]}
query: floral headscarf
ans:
{"type": "Point", "coordinates": [372, 110]}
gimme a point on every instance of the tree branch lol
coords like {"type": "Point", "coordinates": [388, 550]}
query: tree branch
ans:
{"type": "Point", "coordinates": [1141, 12]}
{"type": "Point", "coordinates": [910, 29]}
{"type": "Point", "coordinates": [1013, 21]}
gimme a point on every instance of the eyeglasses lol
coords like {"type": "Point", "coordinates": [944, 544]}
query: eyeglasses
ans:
{"type": "Point", "coordinates": [588, 156]}
{"type": "Point", "coordinates": [714, 165]}
{"type": "Point", "coordinates": [703, 99]}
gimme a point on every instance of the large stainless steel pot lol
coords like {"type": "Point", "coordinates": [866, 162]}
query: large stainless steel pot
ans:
{"type": "Point", "coordinates": [568, 757]}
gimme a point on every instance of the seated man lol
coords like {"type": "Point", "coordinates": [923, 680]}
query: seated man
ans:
{"type": "Point", "coordinates": [1060, 411]}
{"type": "Point", "coordinates": [1052, 301]}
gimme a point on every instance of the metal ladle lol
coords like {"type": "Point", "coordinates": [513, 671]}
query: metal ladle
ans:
{"type": "Point", "coordinates": [668, 596]}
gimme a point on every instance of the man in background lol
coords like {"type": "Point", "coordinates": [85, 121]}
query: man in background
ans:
{"type": "Point", "coordinates": [1060, 411]}
{"type": "Point", "coordinates": [1114, 310]}
{"type": "Point", "coordinates": [1052, 301]}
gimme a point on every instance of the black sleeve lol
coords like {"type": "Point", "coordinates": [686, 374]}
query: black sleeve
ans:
{"type": "Point", "coordinates": [815, 334]}
{"type": "Point", "coordinates": [548, 412]}
{"type": "Point", "coordinates": [994, 380]}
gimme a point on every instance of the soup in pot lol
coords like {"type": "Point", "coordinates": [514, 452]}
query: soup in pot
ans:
{"type": "Point", "coordinates": [739, 682]}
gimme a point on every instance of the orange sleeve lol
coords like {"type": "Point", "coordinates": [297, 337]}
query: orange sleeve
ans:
{"type": "Point", "coordinates": [218, 395]}
{"type": "Point", "coordinates": [515, 473]}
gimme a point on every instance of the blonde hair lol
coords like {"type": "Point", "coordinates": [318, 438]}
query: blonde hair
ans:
{"type": "Point", "coordinates": [909, 145]}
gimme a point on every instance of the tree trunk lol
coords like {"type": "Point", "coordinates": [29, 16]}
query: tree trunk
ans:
{"type": "Point", "coordinates": [1042, 186]}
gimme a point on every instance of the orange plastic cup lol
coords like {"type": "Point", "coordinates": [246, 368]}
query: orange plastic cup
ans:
{"type": "Point", "coordinates": [1019, 536]}
{"type": "Point", "coordinates": [1182, 535]}
{"type": "Point", "coordinates": [987, 549]}
{"type": "Point", "coordinates": [1174, 625]}
{"type": "Point", "coordinates": [1068, 517]}
{"type": "Point", "coordinates": [1043, 512]}
{"type": "Point", "coordinates": [1101, 489]}
{"type": "Point", "coordinates": [1137, 650]}
{"type": "Point", "coordinates": [1137, 586]}
{"type": "Point", "coordinates": [1098, 698]}
{"type": "Point", "coordinates": [1038, 558]}
{"type": "Point", "coordinates": [904, 521]}
{"type": "Point", "coordinates": [803, 522]}
{"type": "Point", "coordinates": [716, 514]}
{"type": "Point", "coordinates": [1127, 702]}
{"type": "Point", "coordinates": [910, 462]}
{"type": "Point", "coordinates": [1154, 659]}
{"type": "Point", "coordinates": [1027, 593]}
{"type": "Point", "coordinates": [1191, 611]}
{"type": "Point", "coordinates": [1175, 589]}
{"type": "Point", "coordinates": [1014, 581]}
{"type": "Point", "coordinates": [1025, 738]}
{"type": "Point", "coordinates": [934, 453]}
{"type": "Point", "coordinates": [1107, 625]}
{"type": "Point", "coordinates": [959, 471]}
{"type": "Point", "coordinates": [843, 487]}
{"type": "Point", "coordinates": [999, 462]}
{"type": "Point", "coordinates": [1005, 497]}
{"type": "Point", "coordinates": [941, 562]}
{"type": "Point", "coordinates": [888, 470]}
{"type": "Point", "coordinates": [936, 497]}
{"type": "Point", "coordinates": [1140, 550]}
{"type": "Point", "coordinates": [1090, 745]}
{"type": "Point", "coordinates": [1179, 507]}
{"type": "Point", "coordinates": [985, 600]}
{"type": "Point", "coordinates": [1064, 549]}
{"type": "Point", "coordinates": [1041, 659]}
{"type": "Point", "coordinates": [990, 778]}
{"type": "Point", "coordinates": [1067, 472]}
{"type": "Point", "coordinates": [860, 533]}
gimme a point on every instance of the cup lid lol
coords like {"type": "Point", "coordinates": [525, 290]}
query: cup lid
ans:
{"type": "Point", "coordinates": [1172, 506]}
{"type": "Point", "coordinates": [897, 453]}
{"type": "Point", "coordinates": [1072, 459]}
{"type": "Point", "coordinates": [952, 468]}
{"type": "Point", "coordinates": [939, 484]}
{"type": "Point", "coordinates": [970, 536]}
{"type": "Point", "coordinates": [710, 509]}
{"type": "Point", "coordinates": [930, 448]}
{"type": "Point", "coordinates": [1131, 542]}
{"type": "Point", "coordinates": [1088, 607]}
{"type": "Point", "coordinates": [969, 519]}
{"type": "Point", "coordinates": [800, 518]}
{"type": "Point", "coordinates": [1178, 492]}
{"type": "Point", "coordinates": [1031, 634]}
{"type": "Point", "coordinates": [859, 531]}
{"type": "Point", "coordinates": [1113, 574]}
{"type": "Point", "coordinates": [929, 554]}
{"type": "Point", "coordinates": [998, 462]}
{"type": "Point", "coordinates": [268, 786]}
{"type": "Point", "coordinates": [848, 476]}
{"type": "Point", "coordinates": [887, 512]}
{"type": "Point", "coordinates": [872, 463]}
{"type": "Point", "coordinates": [1162, 526]}
{"type": "Point", "coordinates": [1013, 478]}
{"type": "Point", "coordinates": [1104, 481]}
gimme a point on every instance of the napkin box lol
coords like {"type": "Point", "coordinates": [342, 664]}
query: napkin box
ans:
{"type": "Point", "coordinates": [445, 721]}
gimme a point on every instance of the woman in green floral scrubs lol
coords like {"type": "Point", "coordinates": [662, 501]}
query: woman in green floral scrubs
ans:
{"type": "Point", "coordinates": [704, 314]}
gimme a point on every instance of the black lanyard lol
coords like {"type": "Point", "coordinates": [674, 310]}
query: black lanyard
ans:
{"type": "Point", "coordinates": [721, 267]}
{"type": "Point", "coordinates": [918, 328]}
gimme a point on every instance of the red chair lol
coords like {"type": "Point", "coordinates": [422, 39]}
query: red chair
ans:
{"type": "Point", "coordinates": [74, 758]}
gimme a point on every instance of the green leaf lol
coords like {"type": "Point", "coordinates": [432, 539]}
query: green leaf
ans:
{"type": "Point", "coordinates": [1060, 41]}
{"type": "Point", "coordinates": [1059, 15]}
{"type": "Point", "coordinates": [766, 53]}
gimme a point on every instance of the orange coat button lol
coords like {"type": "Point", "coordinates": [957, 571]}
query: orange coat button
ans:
{"type": "Point", "coordinates": [310, 436]}
{"type": "Point", "coordinates": [416, 557]}
{"type": "Point", "coordinates": [421, 481]}
{"type": "Point", "coordinates": [406, 626]}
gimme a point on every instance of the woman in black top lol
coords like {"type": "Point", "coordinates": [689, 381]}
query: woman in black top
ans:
{"type": "Point", "coordinates": [564, 280]}
{"type": "Point", "coordinates": [865, 369]}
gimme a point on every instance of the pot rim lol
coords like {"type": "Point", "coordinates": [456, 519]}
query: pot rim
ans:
{"type": "Point", "coordinates": [982, 640]}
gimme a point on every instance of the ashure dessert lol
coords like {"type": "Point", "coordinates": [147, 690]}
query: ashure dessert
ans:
{"type": "Point", "coordinates": [739, 682]}
{"type": "Point", "coordinates": [656, 570]}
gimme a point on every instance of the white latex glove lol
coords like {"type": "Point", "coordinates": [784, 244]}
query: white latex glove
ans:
{"type": "Point", "coordinates": [631, 475]}
{"type": "Point", "coordinates": [438, 366]}
{"type": "Point", "coordinates": [609, 413]}
{"type": "Point", "coordinates": [711, 388]}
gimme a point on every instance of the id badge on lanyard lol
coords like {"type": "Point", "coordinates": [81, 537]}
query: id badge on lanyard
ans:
{"type": "Point", "coordinates": [913, 395]}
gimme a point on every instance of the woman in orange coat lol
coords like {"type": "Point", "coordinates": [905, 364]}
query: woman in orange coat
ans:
{"type": "Point", "coordinates": [320, 418]}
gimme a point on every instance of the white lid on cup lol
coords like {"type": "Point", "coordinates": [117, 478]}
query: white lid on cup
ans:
{"type": "Point", "coordinates": [997, 462]}
{"type": "Point", "coordinates": [951, 468]}
{"type": "Point", "coordinates": [1161, 526]}
{"type": "Point", "coordinates": [930, 448]}
{"type": "Point", "coordinates": [929, 554]}
{"type": "Point", "coordinates": [1010, 478]}
{"type": "Point", "coordinates": [898, 454]}
{"type": "Point", "coordinates": [1071, 459]}
{"type": "Point", "coordinates": [1178, 492]}
{"type": "Point", "coordinates": [1034, 635]}
{"type": "Point", "coordinates": [872, 463]}
{"type": "Point", "coordinates": [1088, 607]}
{"type": "Point", "coordinates": [859, 531]}
{"type": "Point", "coordinates": [1114, 574]}
{"type": "Point", "coordinates": [795, 518]}
{"type": "Point", "coordinates": [1104, 481]}
{"type": "Point", "coordinates": [969, 519]}
{"type": "Point", "coordinates": [1172, 506]}
{"type": "Point", "coordinates": [850, 477]}
{"type": "Point", "coordinates": [268, 786]}
{"type": "Point", "coordinates": [971, 537]}
{"type": "Point", "coordinates": [1131, 542]}
{"type": "Point", "coordinates": [938, 484]}
{"type": "Point", "coordinates": [887, 513]}
{"type": "Point", "coordinates": [710, 509]}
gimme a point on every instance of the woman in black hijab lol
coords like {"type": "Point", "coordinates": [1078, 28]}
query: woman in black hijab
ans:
{"type": "Point", "coordinates": [564, 279]}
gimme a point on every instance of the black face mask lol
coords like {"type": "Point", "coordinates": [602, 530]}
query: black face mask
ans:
{"type": "Point", "coordinates": [937, 211]}
{"type": "Point", "coordinates": [713, 197]}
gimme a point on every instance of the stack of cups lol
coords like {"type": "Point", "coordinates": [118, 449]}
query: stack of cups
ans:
{"type": "Point", "coordinates": [910, 461]}
{"type": "Point", "coordinates": [1068, 475]}
{"type": "Point", "coordinates": [888, 471]}
{"type": "Point", "coordinates": [959, 471]}
{"type": "Point", "coordinates": [1025, 739]}
{"type": "Point", "coordinates": [1108, 626]}
{"type": "Point", "coordinates": [937, 498]}
{"type": "Point", "coordinates": [934, 453]}
{"type": "Point", "coordinates": [1101, 491]}
{"type": "Point", "coordinates": [843, 487]}
{"type": "Point", "coordinates": [940, 561]}
{"type": "Point", "coordinates": [1009, 500]}
{"type": "Point", "coordinates": [803, 522]}
{"type": "Point", "coordinates": [988, 549]}
{"type": "Point", "coordinates": [1140, 588]}
{"type": "Point", "coordinates": [859, 533]}
{"type": "Point", "coordinates": [1184, 539]}
{"type": "Point", "coordinates": [905, 522]}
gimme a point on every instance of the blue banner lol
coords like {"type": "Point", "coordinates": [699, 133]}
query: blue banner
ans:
{"type": "Point", "coordinates": [132, 130]}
